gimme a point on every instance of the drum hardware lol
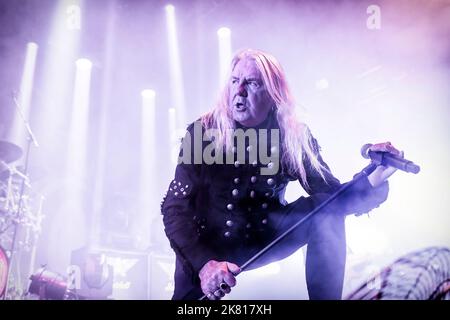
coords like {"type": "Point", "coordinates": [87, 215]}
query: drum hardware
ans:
{"type": "Point", "coordinates": [27, 223]}
{"type": "Point", "coordinates": [4, 267]}
{"type": "Point", "coordinates": [13, 174]}
{"type": "Point", "coordinates": [48, 285]}
{"type": "Point", "coordinates": [8, 153]}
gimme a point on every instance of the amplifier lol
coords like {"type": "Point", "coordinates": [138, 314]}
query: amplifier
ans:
{"type": "Point", "coordinates": [133, 275]}
{"type": "Point", "coordinates": [162, 270]}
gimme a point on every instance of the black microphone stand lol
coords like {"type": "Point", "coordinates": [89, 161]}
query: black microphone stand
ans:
{"type": "Point", "coordinates": [30, 139]}
{"type": "Point", "coordinates": [364, 173]}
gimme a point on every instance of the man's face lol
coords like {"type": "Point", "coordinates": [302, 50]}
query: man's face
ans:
{"type": "Point", "coordinates": [249, 99]}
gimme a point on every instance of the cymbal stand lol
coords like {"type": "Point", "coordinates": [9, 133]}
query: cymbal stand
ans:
{"type": "Point", "coordinates": [30, 140]}
{"type": "Point", "coordinates": [37, 225]}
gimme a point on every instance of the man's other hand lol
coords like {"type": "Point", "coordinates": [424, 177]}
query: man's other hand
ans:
{"type": "Point", "coordinates": [381, 173]}
{"type": "Point", "coordinates": [217, 278]}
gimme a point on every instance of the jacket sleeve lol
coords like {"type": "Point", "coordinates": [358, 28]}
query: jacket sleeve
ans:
{"type": "Point", "coordinates": [181, 214]}
{"type": "Point", "coordinates": [316, 184]}
{"type": "Point", "coordinates": [358, 199]}
{"type": "Point", "coordinates": [361, 197]}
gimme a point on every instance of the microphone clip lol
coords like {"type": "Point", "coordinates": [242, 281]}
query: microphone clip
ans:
{"type": "Point", "coordinates": [388, 159]}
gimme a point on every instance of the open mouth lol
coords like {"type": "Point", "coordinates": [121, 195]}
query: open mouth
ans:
{"type": "Point", "coordinates": [239, 106]}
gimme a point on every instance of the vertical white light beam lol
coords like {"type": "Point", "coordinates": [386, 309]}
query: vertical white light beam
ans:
{"type": "Point", "coordinates": [50, 112]}
{"type": "Point", "coordinates": [176, 74]}
{"type": "Point", "coordinates": [147, 193]}
{"type": "Point", "coordinates": [18, 131]}
{"type": "Point", "coordinates": [75, 204]}
{"type": "Point", "coordinates": [54, 104]}
{"type": "Point", "coordinates": [224, 37]}
{"type": "Point", "coordinates": [106, 89]}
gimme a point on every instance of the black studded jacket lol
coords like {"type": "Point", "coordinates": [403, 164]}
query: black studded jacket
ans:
{"type": "Point", "coordinates": [209, 210]}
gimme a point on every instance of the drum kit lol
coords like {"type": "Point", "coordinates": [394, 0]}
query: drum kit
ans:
{"type": "Point", "coordinates": [20, 215]}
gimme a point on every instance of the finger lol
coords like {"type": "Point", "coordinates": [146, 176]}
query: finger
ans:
{"type": "Point", "coordinates": [393, 150]}
{"type": "Point", "coordinates": [389, 171]}
{"type": "Point", "coordinates": [390, 148]}
{"type": "Point", "coordinates": [380, 174]}
{"type": "Point", "coordinates": [211, 296]}
{"type": "Point", "coordinates": [208, 286]}
{"type": "Point", "coordinates": [212, 286]}
{"type": "Point", "coordinates": [217, 278]}
{"type": "Point", "coordinates": [380, 147]}
{"type": "Point", "coordinates": [229, 279]}
{"type": "Point", "coordinates": [385, 147]}
{"type": "Point", "coordinates": [219, 293]}
{"type": "Point", "coordinates": [227, 289]}
{"type": "Point", "coordinates": [223, 285]}
{"type": "Point", "coordinates": [233, 268]}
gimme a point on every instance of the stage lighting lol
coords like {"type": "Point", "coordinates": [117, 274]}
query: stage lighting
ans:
{"type": "Point", "coordinates": [170, 8]}
{"type": "Point", "coordinates": [84, 64]}
{"type": "Point", "coordinates": [148, 94]}
{"type": "Point", "coordinates": [224, 32]}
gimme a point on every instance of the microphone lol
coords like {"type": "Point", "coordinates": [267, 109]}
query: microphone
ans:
{"type": "Point", "coordinates": [388, 159]}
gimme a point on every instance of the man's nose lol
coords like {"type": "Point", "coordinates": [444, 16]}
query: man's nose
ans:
{"type": "Point", "coordinates": [242, 91]}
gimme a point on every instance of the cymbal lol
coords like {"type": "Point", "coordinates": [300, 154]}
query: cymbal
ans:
{"type": "Point", "coordinates": [9, 151]}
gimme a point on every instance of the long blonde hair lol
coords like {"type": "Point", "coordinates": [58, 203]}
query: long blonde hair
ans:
{"type": "Point", "coordinates": [297, 141]}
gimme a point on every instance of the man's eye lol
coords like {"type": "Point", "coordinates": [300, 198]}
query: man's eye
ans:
{"type": "Point", "coordinates": [254, 84]}
{"type": "Point", "coordinates": [234, 81]}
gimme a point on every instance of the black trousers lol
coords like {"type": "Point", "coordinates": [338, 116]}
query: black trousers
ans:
{"type": "Point", "coordinates": [324, 233]}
